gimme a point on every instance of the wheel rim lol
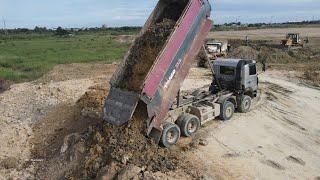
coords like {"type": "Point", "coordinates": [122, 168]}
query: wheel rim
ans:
{"type": "Point", "coordinates": [172, 136]}
{"type": "Point", "coordinates": [229, 112]}
{"type": "Point", "coordinates": [192, 127]}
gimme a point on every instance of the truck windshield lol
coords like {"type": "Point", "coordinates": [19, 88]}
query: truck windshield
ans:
{"type": "Point", "coordinates": [225, 70]}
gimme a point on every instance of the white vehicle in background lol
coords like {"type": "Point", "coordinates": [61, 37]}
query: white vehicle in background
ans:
{"type": "Point", "coordinates": [216, 49]}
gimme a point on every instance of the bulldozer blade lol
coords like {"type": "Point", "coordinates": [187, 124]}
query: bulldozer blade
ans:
{"type": "Point", "coordinates": [120, 106]}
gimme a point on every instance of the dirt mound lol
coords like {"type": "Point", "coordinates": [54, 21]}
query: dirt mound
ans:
{"type": "Point", "coordinates": [270, 52]}
{"type": "Point", "coordinates": [244, 52]}
{"type": "Point", "coordinates": [124, 146]}
{"type": "Point", "coordinates": [103, 146]}
{"type": "Point", "coordinates": [273, 55]}
{"type": "Point", "coordinates": [143, 54]}
{"type": "Point", "coordinates": [91, 103]}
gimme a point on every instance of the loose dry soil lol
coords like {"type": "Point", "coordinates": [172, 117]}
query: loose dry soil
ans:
{"type": "Point", "coordinates": [143, 54]}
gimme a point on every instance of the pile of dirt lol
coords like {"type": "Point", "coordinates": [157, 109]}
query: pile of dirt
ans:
{"type": "Point", "coordinates": [104, 148]}
{"type": "Point", "coordinates": [125, 145]}
{"type": "Point", "coordinates": [144, 53]}
{"type": "Point", "coordinates": [108, 145]}
{"type": "Point", "coordinates": [244, 52]}
{"type": "Point", "coordinates": [273, 55]}
{"type": "Point", "coordinates": [270, 52]}
{"type": "Point", "coordinates": [92, 102]}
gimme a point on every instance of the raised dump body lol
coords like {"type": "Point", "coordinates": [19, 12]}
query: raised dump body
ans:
{"type": "Point", "coordinates": [158, 62]}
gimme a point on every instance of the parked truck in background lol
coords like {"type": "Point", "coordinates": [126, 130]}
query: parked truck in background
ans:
{"type": "Point", "coordinates": [216, 49]}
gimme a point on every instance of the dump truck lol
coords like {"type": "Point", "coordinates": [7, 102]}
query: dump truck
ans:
{"type": "Point", "coordinates": [293, 40]}
{"type": "Point", "coordinates": [156, 66]}
{"type": "Point", "coordinates": [212, 50]}
{"type": "Point", "coordinates": [216, 49]}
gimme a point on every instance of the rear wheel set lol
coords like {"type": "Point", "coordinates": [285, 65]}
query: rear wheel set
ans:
{"type": "Point", "coordinates": [170, 135]}
{"type": "Point", "coordinates": [187, 125]}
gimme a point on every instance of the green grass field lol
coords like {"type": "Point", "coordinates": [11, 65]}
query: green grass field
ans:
{"type": "Point", "coordinates": [27, 57]}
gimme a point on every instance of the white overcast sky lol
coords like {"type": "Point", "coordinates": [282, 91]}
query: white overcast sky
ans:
{"type": "Point", "coordinates": [92, 13]}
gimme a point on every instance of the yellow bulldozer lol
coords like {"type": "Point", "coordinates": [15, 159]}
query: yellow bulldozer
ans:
{"type": "Point", "coordinates": [293, 40]}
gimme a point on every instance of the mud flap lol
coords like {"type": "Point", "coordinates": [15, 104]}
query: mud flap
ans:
{"type": "Point", "coordinates": [120, 106]}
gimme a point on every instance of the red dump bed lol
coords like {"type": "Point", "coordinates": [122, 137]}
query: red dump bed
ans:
{"type": "Point", "coordinates": [171, 66]}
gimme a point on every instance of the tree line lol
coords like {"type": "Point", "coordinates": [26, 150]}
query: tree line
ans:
{"type": "Point", "coordinates": [65, 31]}
{"type": "Point", "coordinates": [125, 29]}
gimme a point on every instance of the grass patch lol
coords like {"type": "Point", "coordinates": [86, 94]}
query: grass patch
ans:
{"type": "Point", "coordinates": [28, 57]}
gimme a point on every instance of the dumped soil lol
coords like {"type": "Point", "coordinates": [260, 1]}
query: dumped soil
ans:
{"type": "Point", "coordinates": [104, 148]}
{"type": "Point", "coordinates": [144, 53]}
{"type": "Point", "coordinates": [125, 145]}
{"type": "Point", "coordinates": [92, 102]}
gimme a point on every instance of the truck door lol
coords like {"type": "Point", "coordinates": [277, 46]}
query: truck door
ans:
{"type": "Point", "coordinates": [253, 77]}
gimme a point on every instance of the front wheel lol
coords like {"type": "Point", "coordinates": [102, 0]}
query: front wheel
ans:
{"type": "Point", "coordinates": [227, 111]}
{"type": "Point", "coordinates": [245, 104]}
{"type": "Point", "coordinates": [170, 135]}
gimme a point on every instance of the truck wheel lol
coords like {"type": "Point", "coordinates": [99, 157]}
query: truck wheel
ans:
{"type": "Point", "coordinates": [170, 135]}
{"type": "Point", "coordinates": [245, 104]}
{"type": "Point", "coordinates": [189, 124]}
{"type": "Point", "coordinates": [227, 111]}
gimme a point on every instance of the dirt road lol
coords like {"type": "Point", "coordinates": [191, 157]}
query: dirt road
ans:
{"type": "Point", "coordinates": [278, 139]}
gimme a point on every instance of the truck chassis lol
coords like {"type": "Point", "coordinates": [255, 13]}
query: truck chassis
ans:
{"type": "Point", "coordinates": [191, 111]}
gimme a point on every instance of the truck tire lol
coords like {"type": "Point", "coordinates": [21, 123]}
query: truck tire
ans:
{"type": "Point", "coordinates": [245, 104]}
{"type": "Point", "coordinates": [189, 124]}
{"type": "Point", "coordinates": [170, 135]}
{"type": "Point", "coordinates": [227, 111]}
